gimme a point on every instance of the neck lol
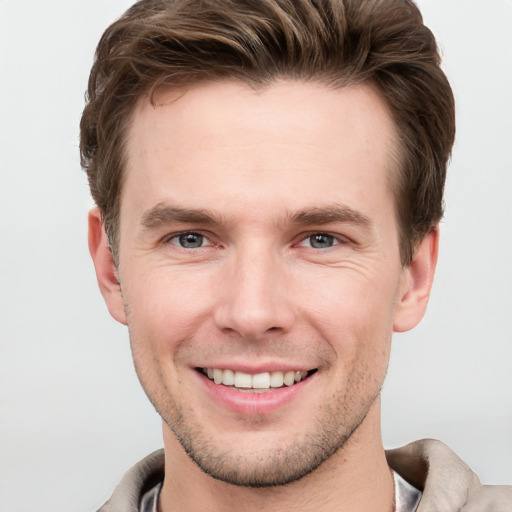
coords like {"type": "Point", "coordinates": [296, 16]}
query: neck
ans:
{"type": "Point", "coordinates": [356, 479]}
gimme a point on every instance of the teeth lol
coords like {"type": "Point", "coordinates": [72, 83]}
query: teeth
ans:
{"type": "Point", "coordinates": [261, 381]}
{"type": "Point", "coordinates": [217, 376]}
{"type": "Point", "coordinates": [265, 380]}
{"type": "Point", "coordinates": [289, 378]}
{"type": "Point", "coordinates": [243, 380]}
{"type": "Point", "coordinates": [228, 378]}
{"type": "Point", "coordinates": [276, 379]}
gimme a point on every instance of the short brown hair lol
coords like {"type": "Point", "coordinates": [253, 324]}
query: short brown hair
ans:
{"type": "Point", "coordinates": [173, 43]}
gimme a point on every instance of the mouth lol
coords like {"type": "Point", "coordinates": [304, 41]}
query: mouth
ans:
{"type": "Point", "coordinates": [256, 383]}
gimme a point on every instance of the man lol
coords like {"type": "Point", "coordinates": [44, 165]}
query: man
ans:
{"type": "Point", "coordinates": [269, 179]}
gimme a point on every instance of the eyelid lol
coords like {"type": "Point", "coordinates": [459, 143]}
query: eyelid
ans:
{"type": "Point", "coordinates": [168, 239]}
{"type": "Point", "coordinates": [339, 239]}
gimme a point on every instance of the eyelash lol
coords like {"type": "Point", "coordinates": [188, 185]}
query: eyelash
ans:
{"type": "Point", "coordinates": [335, 239]}
{"type": "Point", "coordinates": [177, 236]}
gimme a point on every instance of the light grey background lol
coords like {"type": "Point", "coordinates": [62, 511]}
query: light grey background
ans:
{"type": "Point", "coordinates": [72, 416]}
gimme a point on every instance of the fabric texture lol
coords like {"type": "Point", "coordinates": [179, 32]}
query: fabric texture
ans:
{"type": "Point", "coordinates": [136, 481]}
{"type": "Point", "coordinates": [448, 484]}
{"type": "Point", "coordinates": [149, 500]}
{"type": "Point", "coordinates": [407, 496]}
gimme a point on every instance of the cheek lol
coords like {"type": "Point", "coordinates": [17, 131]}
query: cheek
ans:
{"type": "Point", "coordinates": [166, 306]}
{"type": "Point", "coordinates": [349, 302]}
{"type": "Point", "coordinates": [354, 316]}
{"type": "Point", "coordinates": [159, 323]}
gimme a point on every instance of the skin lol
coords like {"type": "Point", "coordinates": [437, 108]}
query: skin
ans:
{"type": "Point", "coordinates": [272, 168]}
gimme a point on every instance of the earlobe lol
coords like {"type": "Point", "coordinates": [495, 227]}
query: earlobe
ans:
{"type": "Point", "coordinates": [416, 284]}
{"type": "Point", "coordinates": [106, 272]}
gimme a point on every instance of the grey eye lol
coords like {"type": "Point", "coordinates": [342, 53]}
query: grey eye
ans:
{"type": "Point", "coordinates": [321, 241]}
{"type": "Point", "coordinates": [189, 240]}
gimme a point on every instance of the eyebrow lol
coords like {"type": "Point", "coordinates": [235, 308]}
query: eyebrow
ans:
{"type": "Point", "coordinates": [330, 214]}
{"type": "Point", "coordinates": [161, 215]}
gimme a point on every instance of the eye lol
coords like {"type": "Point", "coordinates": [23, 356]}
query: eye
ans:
{"type": "Point", "coordinates": [189, 240]}
{"type": "Point", "coordinates": [319, 241]}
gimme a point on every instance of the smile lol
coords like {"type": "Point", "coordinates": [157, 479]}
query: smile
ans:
{"type": "Point", "coordinates": [259, 381]}
{"type": "Point", "coordinates": [258, 393]}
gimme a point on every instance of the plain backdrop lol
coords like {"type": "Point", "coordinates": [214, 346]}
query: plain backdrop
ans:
{"type": "Point", "coordinates": [72, 415]}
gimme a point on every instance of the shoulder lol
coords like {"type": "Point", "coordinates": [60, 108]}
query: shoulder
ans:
{"type": "Point", "coordinates": [135, 482]}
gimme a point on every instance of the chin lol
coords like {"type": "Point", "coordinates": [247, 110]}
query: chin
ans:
{"type": "Point", "coordinates": [258, 463]}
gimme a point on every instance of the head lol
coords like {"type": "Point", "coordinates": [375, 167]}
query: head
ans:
{"type": "Point", "coordinates": [174, 43]}
{"type": "Point", "coordinates": [269, 177]}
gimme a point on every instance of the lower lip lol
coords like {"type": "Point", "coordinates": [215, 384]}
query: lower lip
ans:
{"type": "Point", "coordinates": [253, 404]}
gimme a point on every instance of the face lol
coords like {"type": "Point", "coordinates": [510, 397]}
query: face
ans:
{"type": "Point", "coordinates": [260, 272]}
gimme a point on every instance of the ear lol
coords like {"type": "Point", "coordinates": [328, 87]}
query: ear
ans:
{"type": "Point", "coordinates": [416, 283]}
{"type": "Point", "coordinates": [106, 271]}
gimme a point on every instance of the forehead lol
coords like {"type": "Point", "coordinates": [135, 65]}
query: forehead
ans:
{"type": "Point", "coordinates": [291, 142]}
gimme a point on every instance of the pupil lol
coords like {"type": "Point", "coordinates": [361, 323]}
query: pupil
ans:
{"type": "Point", "coordinates": [321, 241]}
{"type": "Point", "coordinates": [191, 240]}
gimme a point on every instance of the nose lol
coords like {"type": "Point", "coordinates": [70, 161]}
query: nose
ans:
{"type": "Point", "coordinates": [253, 299]}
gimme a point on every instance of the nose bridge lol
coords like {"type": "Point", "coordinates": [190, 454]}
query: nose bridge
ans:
{"type": "Point", "coordinates": [254, 299]}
